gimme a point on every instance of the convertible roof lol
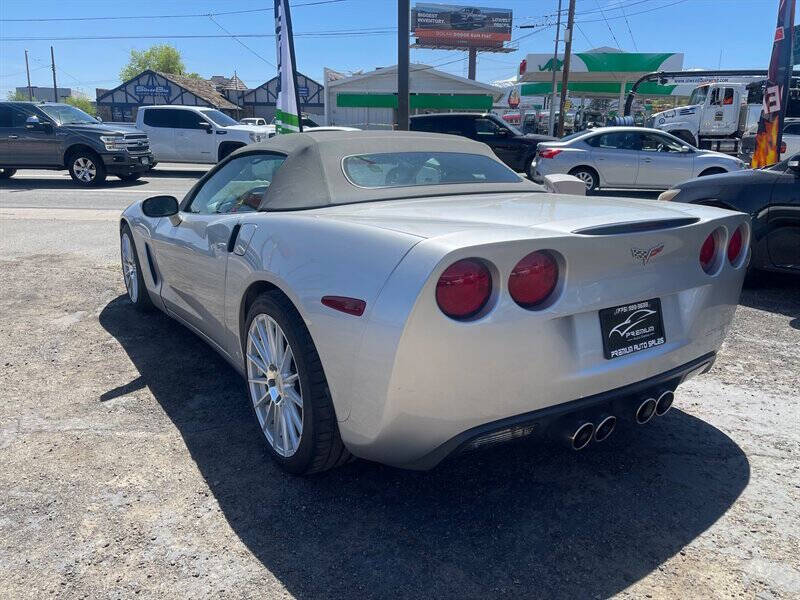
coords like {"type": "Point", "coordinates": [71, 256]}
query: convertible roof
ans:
{"type": "Point", "coordinates": [312, 176]}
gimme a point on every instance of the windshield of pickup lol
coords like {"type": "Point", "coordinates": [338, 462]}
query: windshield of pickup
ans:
{"type": "Point", "coordinates": [397, 169]}
{"type": "Point", "coordinates": [219, 118]}
{"type": "Point", "coordinates": [63, 114]}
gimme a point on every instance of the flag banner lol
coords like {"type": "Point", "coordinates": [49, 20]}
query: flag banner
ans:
{"type": "Point", "coordinates": [287, 112]}
{"type": "Point", "coordinates": [776, 91]}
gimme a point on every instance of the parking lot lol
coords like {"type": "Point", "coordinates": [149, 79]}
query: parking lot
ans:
{"type": "Point", "coordinates": [132, 466]}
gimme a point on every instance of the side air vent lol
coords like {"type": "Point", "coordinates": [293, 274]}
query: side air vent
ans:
{"type": "Point", "coordinates": [153, 272]}
{"type": "Point", "coordinates": [637, 226]}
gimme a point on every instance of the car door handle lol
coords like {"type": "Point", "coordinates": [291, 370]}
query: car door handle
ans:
{"type": "Point", "coordinates": [647, 160]}
{"type": "Point", "coordinates": [13, 137]}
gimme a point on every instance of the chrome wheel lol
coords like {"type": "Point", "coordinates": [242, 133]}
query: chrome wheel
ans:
{"type": "Point", "coordinates": [587, 178]}
{"type": "Point", "coordinates": [129, 270]}
{"type": "Point", "coordinates": [274, 384]}
{"type": "Point", "coordinates": [84, 169]}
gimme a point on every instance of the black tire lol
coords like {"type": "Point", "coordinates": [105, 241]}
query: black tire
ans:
{"type": "Point", "coordinates": [589, 177]}
{"type": "Point", "coordinates": [86, 168]}
{"type": "Point", "coordinates": [130, 176]}
{"type": "Point", "coordinates": [6, 173]}
{"type": "Point", "coordinates": [141, 299]}
{"type": "Point", "coordinates": [712, 171]}
{"type": "Point", "coordinates": [320, 447]}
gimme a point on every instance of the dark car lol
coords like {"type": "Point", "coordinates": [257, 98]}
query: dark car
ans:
{"type": "Point", "coordinates": [508, 143]}
{"type": "Point", "coordinates": [60, 136]}
{"type": "Point", "coordinates": [770, 196]}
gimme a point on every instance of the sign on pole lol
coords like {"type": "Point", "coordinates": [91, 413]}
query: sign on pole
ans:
{"type": "Point", "coordinates": [460, 26]}
{"type": "Point", "coordinates": [287, 112]}
{"type": "Point", "coordinates": [776, 92]}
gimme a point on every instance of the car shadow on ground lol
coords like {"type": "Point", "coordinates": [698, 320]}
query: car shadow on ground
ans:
{"type": "Point", "coordinates": [526, 519]}
{"type": "Point", "coordinates": [774, 292]}
{"type": "Point", "coordinates": [65, 183]}
{"type": "Point", "coordinates": [187, 173]}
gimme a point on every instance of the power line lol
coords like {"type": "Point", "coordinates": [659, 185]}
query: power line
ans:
{"type": "Point", "coordinates": [608, 25]}
{"type": "Point", "coordinates": [641, 12]}
{"type": "Point", "coordinates": [635, 47]}
{"type": "Point", "coordinates": [325, 33]}
{"type": "Point", "coordinates": [182, 16]}
{"type": "Point", "coordinates": [240, 42]}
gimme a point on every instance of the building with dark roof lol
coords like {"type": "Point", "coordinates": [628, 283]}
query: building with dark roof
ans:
{"type": "Point", "coordinates": [261, 101]}
{"type": "Point", "coordinates": [155, 88]}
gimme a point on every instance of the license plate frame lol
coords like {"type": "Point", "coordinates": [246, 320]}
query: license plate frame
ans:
{"type": "Point", "coordinates": [630, 328]}
{"type": "Point", "coordinates": [145, 161]}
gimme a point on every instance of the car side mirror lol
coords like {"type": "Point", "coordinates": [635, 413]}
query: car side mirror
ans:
{"type": "Point", "coordinates": [794, 165]}
{"type": "Point", "coordinates": [160, 206]}
{"type": "Point", "coordinates": [503, 132]}
{"type": "Point", "coordinates": [99, 120]}
{"type": "Point", "coordinates": [685, 149]}
{"type": "Point", "coordinates": [32, 122]}
{"type": "Point", "coordinates": [205, 125]}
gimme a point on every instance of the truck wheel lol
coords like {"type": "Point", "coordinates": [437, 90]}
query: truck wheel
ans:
{"type": "Point", "coordinates": [86, 168]}
{"type": "Point", "coordinates": [6, 173]}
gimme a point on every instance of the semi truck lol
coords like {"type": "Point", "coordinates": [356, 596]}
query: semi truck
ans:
{"type": "Point", "coordinates": [721, 112]}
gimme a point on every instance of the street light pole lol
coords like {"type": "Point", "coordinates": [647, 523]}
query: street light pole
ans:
{"type": "Point", "coordinates": [53, 66]}
{"type": "Point", "coordinates": [565, 74]}
{"type": "Point", "coordinates": [551, 120]}
{"type": "Point", "coordinates": [403, 9]}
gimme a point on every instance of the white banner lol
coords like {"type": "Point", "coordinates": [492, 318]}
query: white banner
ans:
{"type": "Point", "coordinates": [287, 113]}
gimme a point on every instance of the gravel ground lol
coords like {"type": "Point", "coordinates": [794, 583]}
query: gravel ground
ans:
{"type": "Point", "coordinates": [131, 466]}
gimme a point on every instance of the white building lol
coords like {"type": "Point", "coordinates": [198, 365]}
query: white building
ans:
{"type": "Point", "coordinates": [369, 100]}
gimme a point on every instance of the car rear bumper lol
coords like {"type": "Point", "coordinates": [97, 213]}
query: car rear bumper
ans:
{"type": "Point", "coordinates": [554, 420]}
{"type": "Point", "coordinates": [122, 163]}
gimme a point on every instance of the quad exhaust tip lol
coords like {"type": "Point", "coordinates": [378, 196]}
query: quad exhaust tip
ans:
{"type": "Point", "coordinates": [605, 428]}
{"type": "Point", "coordinates": [664, 403]}
{"type": "Point", "coordinates": [646, 411]}
{"type": "Point", "coordinates": [582, 436]}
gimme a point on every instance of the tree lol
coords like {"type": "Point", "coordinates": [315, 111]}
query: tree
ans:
{"type": "Point", "coordinates": [83, 103]}
{"type": "Point", "coordinates": [161, 57]}
{"type": "Point", "coordinates": [20, 96]}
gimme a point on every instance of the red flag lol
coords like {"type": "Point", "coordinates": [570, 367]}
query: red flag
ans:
{"type": "Point", "coordinates": [776, 91]}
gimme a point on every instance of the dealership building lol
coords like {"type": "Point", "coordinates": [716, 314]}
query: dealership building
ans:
{"type": "Point", "coordinates": [261, 101]}
{"type": "Point", "coordinates": [369, 100]}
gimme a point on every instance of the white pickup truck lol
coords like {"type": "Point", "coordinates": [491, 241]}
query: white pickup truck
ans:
{"type": "Point", "coordinates": [194, 134]}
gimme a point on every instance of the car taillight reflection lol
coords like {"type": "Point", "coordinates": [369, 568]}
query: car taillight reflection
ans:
{"type": "Point", "coordinates": [464, 288]}
{"type": "Point", "coordinates": [533, 279]}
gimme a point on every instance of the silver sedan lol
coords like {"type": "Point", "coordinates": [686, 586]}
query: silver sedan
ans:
{"type": "Point", "coordinates": [628, 157]}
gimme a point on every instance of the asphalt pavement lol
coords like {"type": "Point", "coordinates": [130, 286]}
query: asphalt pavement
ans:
{"type": "Point", "coordinates": [131, 466]}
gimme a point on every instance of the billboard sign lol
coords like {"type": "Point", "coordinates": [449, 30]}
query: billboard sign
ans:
{"type": "Point", "coordinates": [460, 25]}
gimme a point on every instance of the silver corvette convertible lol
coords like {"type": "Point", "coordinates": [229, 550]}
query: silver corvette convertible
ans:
{"type": "Point", "coordinates": [404, 297]}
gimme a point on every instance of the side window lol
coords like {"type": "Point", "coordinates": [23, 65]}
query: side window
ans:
{"type": "Point", "coordinates": [792, 129]}
{"type": "Point", "coordinates": [161, 117]}
{"type": "Point", "coordinates": [728, 99]}
{"type": "Point", "coordinates": [615, 141]}
{"type": "Point", "coordinates": [5, 115]}
{"type": "Point", "coordinates": [239, 186]}
{"type": "Point", "coordinates": [188, 119]}
{"type": "Point", "coordinates": [658, 143]}
{"type": "Point", "coordinates": [486, 128]}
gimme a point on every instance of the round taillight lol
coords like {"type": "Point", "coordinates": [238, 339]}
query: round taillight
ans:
{"type": "Point", "coordinates": [707, 252]}
{"type": "Point", "coordinates": [533, 279]}
{"type": "Point", "coordinates": [464, 288]}
{"type": "Point", "coordinates": [735, 245]}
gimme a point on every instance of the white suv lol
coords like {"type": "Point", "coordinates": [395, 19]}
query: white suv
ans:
{"type": "Point", "coordinates": [194, 134]}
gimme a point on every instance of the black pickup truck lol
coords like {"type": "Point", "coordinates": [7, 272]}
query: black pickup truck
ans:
{"type": "Point", "coordinates": [60, 136]}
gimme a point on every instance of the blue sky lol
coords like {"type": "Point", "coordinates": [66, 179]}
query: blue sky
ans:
{"type": "Point", "coordinates": [711, 33]}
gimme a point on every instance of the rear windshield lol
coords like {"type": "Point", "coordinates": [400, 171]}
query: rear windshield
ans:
{"type": "Point", "coordinates": [397, 169]}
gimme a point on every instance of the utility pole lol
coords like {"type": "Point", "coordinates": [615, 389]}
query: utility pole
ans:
{"type": "Point", "coordinates": [473, 63]}
{"type": "Point", "coordinates": [53, 66]}
{"type": "Point", "coordinates": [28, 72]}
{"type": "Point", "coordinates": [403, 10]}
{"type": "Point", "coordinates": [565, 74]}
{"type": "Point", "coordinates": [551, 121]}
